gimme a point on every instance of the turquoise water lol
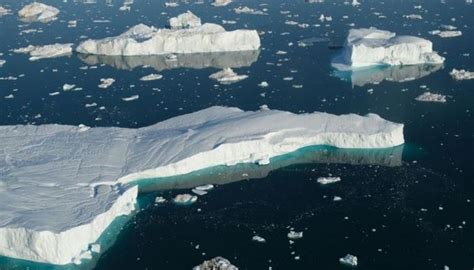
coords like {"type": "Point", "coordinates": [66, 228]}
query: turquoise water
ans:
{"type": "Point", "coordinates": [406, 208]}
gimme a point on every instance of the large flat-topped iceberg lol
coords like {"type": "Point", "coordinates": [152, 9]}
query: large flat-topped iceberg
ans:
{"type": "Point", "coordinates": [369, 46]}
{"type": "Point", "coordinates": [62, 186]}
{"type": "Point", "coordinates": [195, 38]}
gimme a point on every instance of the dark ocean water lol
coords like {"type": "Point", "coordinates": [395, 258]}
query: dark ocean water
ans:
{"type": "Point", "coordinates": [410, 207]}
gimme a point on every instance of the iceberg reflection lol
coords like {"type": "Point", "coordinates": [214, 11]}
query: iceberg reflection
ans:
{"type": "Point", "coordinates": [378, 74]}
{"type": "Point", "coordinates": [164, 62]}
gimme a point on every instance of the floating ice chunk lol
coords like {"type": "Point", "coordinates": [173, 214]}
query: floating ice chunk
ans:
{"type": "Point", "coordinates": [217, 263]}
{"type": "Point", "coordinates": [413, 16]}
{"type": "Point", "coordinates": [131, 98]}
{"type": "Point", "coordinates": [72, 24]}
{"type": "Point", "coordinates": [459, 75]}
{"type": "Point", "coordinates": [185, 20]}
{"type": "Point", "coordinates": [337, 198]}
{"type": "Point", "coordinates": [263, 84]}
{"type": "Point", "coordinates": [247, 10]}
{"type": "Point", "coordinates": [4, 11]}
{"type": "Point", "coordinates": [431, 97]}
{"type": "Point", "coordinates": [67, 87]}
{"type": "Point", "coordinates": [370, 46]}
{"type": "Point", "coordinates": [323, 18]}
{"type": "Point", "coordinates": [38, 12]}
{"type": "Point", "coordinates": [2, 62]}
{"type": "Point", "coordinates": [355, 3]}
{"type": "Point", "coordinates": [10, 96]}
{"type": "Point", "coordinates": [328, 180]}
{"type": "Point", "coordinates": [47, 51]}
{"type": "Point", "coordinates": [295, 235]}
{"type": "Point", "coordinates": [81, 163]}
{"type": "Point", "coordinates": [145, 40]}
{"type": "Point", "coordinates": [259, 239]}
{"type": "Point", "coordinates": [447, 34]}
{"type": "Point", "coordinates": [205, 187]}
{"type": "Point", "coordinates": [349, 259]}
{"type": "Point", "coordinates": [106, 82]}
{"type": "Point", "coordinates": [199, 192]}
{"type": "Point", "coordinates": [151, 77]}
{"type": "Point", "coordinates": [227, 76]}
{"type": "Point", "coordinates": [159, 199]}
{"type": "Point", "coordinates": [221, 3]}
{"type": "Point", "coordinates": [185, 199]}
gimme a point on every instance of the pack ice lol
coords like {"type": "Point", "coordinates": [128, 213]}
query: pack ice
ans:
{"type": "Point", "coordinates": [193, 38]}
{"type": "Point", "coordinates": [62, 186]}
{"type": "Point", "coordinates": [370, 46]}
{"type": "Point", "coordinates": [38, 12]}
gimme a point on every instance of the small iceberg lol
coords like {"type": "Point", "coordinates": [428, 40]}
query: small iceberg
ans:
{"type": "Point", "coordinates": [349, 260]}
{"type": "Point", "coordinates": [38, 12]}
{"type": "Point", "coordinates": [328, 180]}
{"type": "Point", "coordinates": [221, 3]}
{"type": "Point", "coordinates": [217, 263]}
{"type": "Point", "coordinates": [461, 74]}
{"type": "Point", "coordinates": [227, 76]}
{"type": "Point", "coordinates": [431, 97]}
{"type": "Point", "coordinates": [295, 235]}
{"type": "Point", "coordinates": [46, 51]}
{"type": "Point", "coordinates": [185, 199]}
{"type": "Point", "coordinates": [370, 47]}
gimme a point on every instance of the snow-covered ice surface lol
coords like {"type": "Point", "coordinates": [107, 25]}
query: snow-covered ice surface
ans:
{"type": "Point", "coordinates": [88, 176]}
{"type": "Point", "coordinates": [38, 12]}
{"type": "Point", "coordinates": [145, 40]}
{"type": "Point", "coordinates": [370, 46]}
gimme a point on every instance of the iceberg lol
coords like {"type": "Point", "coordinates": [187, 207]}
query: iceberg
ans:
{"type": "Point", "coordinates": [349, 260]}
{"type": "Point", "coordinates": [163, 62]}
{"type": "Point", "coordinates": [461, 74]}
{"type": "Point", "coordinates": [370, 46]}
{"type": "Point", "coordinates": [185, 20]}
{"type": "Point", "coordinates": [145, 40]}
{"type": "Point", "coordinates": [217, 263]}
{"type": "Point", "coordinates": [227, 76]}
{"type": "Point", "coordinates": [431, 97]}
{"type": "Point", "coordinates": [38, 12]}
{"type": "Point", "coordinates": [46, 51]}
{"type": "Point", "coordinates": [62, 186]}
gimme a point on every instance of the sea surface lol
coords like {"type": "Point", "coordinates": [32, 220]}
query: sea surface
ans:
{"type": "Point", "coordinates": [409, 207]}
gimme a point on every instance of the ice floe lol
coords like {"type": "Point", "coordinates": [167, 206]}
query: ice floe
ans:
{"type": "Point", "coordinates": [37, 11]}
{"type": "Point", "coordinates": [217, 263]}
{"type": "Point", "coordinates": [151, 77]}
{"type": "Point", "coordinates": [227, 76]}
{"type": "Point", "coordinates": [247, 10]}
{"type": "Point", "coordinates": [106, 82]}
{"type": "Point", "coordinates": [75, 183]}
{"type": "Point", "coordinates": [46, 51]}
{"type": "Point", "coordinates": [447, 33]}
{"type": "Point", "coordinates": [431, 97]}
{"type": "Point", "coordinates": [184, 199]}
{"type": "Point", "coordinates": [145, 40]}
{"type": "Point", "coordinates": [460, 74]}
{"type": "Point", "coordinates": [370, 46]}
{"type": "Point", "coordinates": [259, 239]}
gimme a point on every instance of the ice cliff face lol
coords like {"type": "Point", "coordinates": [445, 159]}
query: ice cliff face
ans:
{"type": "Point", "coordinates": [186, 36]}
{"type": "Point", "coordinates": [62, 186]}
{"type": "Point", "coordinates": [369, 46]}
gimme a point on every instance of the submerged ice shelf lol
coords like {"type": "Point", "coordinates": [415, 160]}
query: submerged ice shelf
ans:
{"type": "Point", "coordinates": [370, 46]}
{"type": "Point", "coordinates": [62, 186]}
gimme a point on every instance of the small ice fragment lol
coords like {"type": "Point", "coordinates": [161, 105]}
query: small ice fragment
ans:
{"type": "Point", "coordinates": [205, 187]}
{"type": "Point", "coordinates": [185, 199]}
{"type": "Point", "coordinates": [199, 192]}
{"type": "Point", "coordinates": [227, 76]}
{"type": "Point", "coordinates": [259, 239]}
{"type": "Point", "coordinates": [83, 128]}
{"type": "Point", "coordinates": [349, 259]}
{"type": "Point", "coordinates": [221, 3]}
{"type": "Point", "coordinates": [337, 198]}
{"type": "Point", "coordinates": [130, 98]}
{"type": "Point", "coordinates": [151, 77]}
{"type": "Point", "coordinates": [263, 84]}
{"type": "Point", "coordinates": [295, 235]}
{"type": "Point", "coordinates": [328, 180]}
{"type": "Point", "coordinates": [67, 87]}
{"type": "Point", "coordinates": [104, 83]}
{"type": "Point", "coordinates": [160, 199]}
